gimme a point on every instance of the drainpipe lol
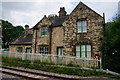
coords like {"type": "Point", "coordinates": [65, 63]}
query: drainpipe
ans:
{"type": "Point", "coordinates": [50, 43]}
{"type": "Point", "coordinates": [101, 62]}
{"type": "Point", "coordinates": [36, 39]}
{"type": "Point", "coordinates": [103, 23]}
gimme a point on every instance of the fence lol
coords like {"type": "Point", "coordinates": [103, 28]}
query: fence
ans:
{"type": "Point", "coordinates": [55, 59]}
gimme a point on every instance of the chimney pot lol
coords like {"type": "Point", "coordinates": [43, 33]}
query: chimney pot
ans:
{"type": "Point", "coordinates": [26, 27]}
{"type": "Point", "coordinates": [62, 11]}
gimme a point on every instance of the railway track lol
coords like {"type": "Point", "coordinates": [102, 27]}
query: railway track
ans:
{"type": "Point", "coordinates": [41, 75]}
{"type": "Point", "coordinates": [36, 74]}
{"type": "Point", "coordinates": [23, 73]}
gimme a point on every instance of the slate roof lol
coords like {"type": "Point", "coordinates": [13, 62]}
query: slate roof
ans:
{"type": "Point", "coordinates": [58, 21]}
{"type": "Point", "coordinates": [23, 40]}
{"type": "Point", "coordinates": [27, 39]}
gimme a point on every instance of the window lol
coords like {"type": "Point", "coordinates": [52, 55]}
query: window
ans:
{"type": "Point", "coordinates": [44, 31]}
{"type": "Point", "coordinates": [60, 51]}
{"type": "Point", "coordinates": [83, 51]}
{"type": "Point", "coordinates": [43, 50]}
{"type": "Point", "coordinates": [19, 49]}
{"type": "Point", "coordinates": [28, 50]}
{"type": "Point", "coordinates": [81, 26]}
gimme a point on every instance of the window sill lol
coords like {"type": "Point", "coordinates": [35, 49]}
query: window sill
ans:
{"type": "Point", "coordinates": [83, 57]}
{"type": "Point", "coordinates": [43, 36]}
{"type": "Point", "coordinates": [82, 32]}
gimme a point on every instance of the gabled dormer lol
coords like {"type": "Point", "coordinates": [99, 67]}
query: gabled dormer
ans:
{"type": "Point", "coordinates": [44, 27]}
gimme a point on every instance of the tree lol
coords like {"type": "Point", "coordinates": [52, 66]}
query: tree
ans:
{"type": "Point", "coordinates": [111, 45]}
{"type": "Point", "coordinates": [10, 32]}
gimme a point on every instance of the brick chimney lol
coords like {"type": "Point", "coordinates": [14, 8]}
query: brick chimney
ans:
{"type": "Point", "coordinates": [62, 11]}
{"type": "Point", "coordinates": [26, 29]}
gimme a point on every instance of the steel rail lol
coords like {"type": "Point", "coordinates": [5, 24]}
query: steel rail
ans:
{"type": "Point", "coordinates": [47, 75]}
{"type": "Point", "coordinates": [42, 74]}
{"type": "Point", "coordinates": [22, 73]}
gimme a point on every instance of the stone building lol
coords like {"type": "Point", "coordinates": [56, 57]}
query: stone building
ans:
{"type": "Point", "coordinates": [24, 42]}
{"type": "Point", "coordinates": [77, 34]}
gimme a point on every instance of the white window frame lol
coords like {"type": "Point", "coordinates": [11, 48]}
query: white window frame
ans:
{"type": "Point", "coordinates": [43, 49]}
{"type": "Point", "coordinates": [28, 49]}
{"type": "Point", "coordinates": [83, 51]}
{"type": "Point", "coordinates": [82, 26]}
{"type": "Point", "coordinates": [60, 51]}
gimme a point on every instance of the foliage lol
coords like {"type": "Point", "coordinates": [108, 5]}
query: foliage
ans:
{"type": "Point", "coordinates": [73, 65]}
{"type": "Point", "coordinates": [111, 45]}
{"type": "Point", "coordinates": [42, 63]}
{"type": "Point", "coordinates": [10, 32]}
{"type": "Point", "coordinates": [16, 62]}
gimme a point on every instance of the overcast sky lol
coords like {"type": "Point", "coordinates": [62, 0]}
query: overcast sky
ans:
{"type": "Point", "coordinates": [31, 11]}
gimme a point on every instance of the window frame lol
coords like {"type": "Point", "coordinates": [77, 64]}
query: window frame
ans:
{"type": "Point", "coordinates": [86, 51]}
{"type": "Point", "coordinates": [43, 49]}
{"type": "Point", "coordinates": [18, 49]}
{"type": "Point", "coordinates": [59, 54]}
{"type": "Point", "coordinates": [44, 30]}
{"type": "Point", "coordinates": [28, 48]}
{"type": "Point", "coordinates": [80, 27]}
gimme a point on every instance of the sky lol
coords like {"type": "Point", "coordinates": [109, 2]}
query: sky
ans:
{"type": "Point", "coordinates": [22, 12]}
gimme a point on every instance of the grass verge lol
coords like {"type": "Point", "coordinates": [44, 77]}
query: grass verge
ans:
{"type": "Point", "coordinates": [16, 62]}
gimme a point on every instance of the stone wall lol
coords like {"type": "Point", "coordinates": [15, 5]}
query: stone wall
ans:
{"type": "Point", "coordinates": [14, 48]}
{"type": "Point", "coordinates": [57, 38]}
{"type": "Point", "coordinates": [34, 41]}
{"type": "Point", "coordinates": [93, 35]}
{"type": "Point", "coordinates": [41, 40]}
